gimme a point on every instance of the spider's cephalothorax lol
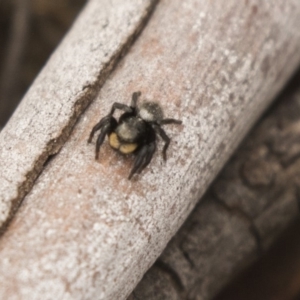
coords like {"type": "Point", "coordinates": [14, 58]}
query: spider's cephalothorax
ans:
{"type": "Point", "coordinates": [134, 132]}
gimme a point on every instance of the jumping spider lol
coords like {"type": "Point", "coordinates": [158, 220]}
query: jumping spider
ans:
{"type": "Point", "coordinates": [134, 132]}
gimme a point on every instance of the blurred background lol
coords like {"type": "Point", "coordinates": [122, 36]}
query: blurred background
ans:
{"type": "Point", "coordinates": [29, 32]}
{"type": "Point", "coordinates": [275, 276]}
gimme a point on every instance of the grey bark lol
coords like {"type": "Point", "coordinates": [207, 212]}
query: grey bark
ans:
{"type": "Point", "coordinates": [67, 84]}
{"type": "Point", "coordinates": [254, 198]}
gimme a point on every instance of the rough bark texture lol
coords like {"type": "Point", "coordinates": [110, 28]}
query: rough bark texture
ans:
{"type": "Point", "coordinates": [84, 231]}
{"type": "Point", "coordinates": [255, 197]}
{"type": "Point", "coordinates": [67, 84]}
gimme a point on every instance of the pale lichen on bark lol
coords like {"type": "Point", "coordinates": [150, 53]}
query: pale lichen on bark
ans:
{"type": "Point", "coordinates": [68, 83]}
{"type": "Point", "coordinates": [257, 190]}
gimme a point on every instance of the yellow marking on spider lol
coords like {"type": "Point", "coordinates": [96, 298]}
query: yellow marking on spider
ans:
{"type": "Point", "coordinates": [114, 141]}
{"type": "Point", "coordinates": [128, 148]}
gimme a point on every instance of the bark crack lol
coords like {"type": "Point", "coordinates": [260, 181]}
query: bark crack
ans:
{"type": "Point", "coordinates": [90, 91]}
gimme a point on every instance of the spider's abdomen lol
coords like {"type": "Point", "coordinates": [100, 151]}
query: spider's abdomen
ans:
{"type": "Point", "coordinates": [125, 148]}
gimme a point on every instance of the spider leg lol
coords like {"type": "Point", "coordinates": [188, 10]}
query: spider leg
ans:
{"type": "Point", "coordinates": [106, 129]}
{"type": "Point", "coordinates": [145, 153]}
{"type": "Point", "coordinates": [109, 117]}
{"type": "Point", "coordinates": [148, 157]}
{"type": "Point", "coordinates": [165, 138]}
{"type": "Point", "coordinates": [120, 106]}
{"type": "Point", "coordinates": [138, 160]}
{"type": "Point", "coordinates": [98, 126]}
{"type": "Point", "coordinates": [169, 121]}
{"type": "Point", "coordinates": [134, 99]}
{"type": "Point", "coordinates": [100, 139]}
{"type": "Point", "coordinates": [107, 125]}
